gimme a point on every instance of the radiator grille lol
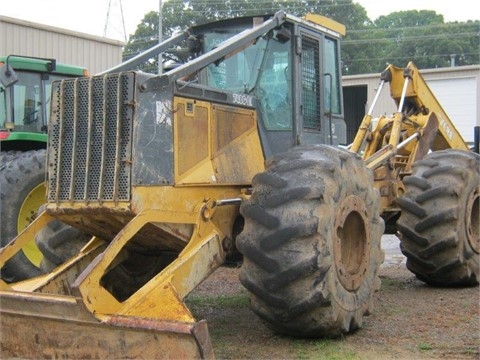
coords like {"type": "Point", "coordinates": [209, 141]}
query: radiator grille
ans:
{"type": "Point", "coordinates": [90, 134]}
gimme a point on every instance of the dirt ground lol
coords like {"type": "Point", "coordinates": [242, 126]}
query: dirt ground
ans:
{"type": "Point", "coordinates": [410, 320]}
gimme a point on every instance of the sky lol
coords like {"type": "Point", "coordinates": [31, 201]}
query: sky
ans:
{"type": "Point", "coordinates": [92, 16]}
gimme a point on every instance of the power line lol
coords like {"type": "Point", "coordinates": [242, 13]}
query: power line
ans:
{"type": "Point", "coordinates": [144, 40]}
{"type": "Point", "coordinates": [357, 60]}
{"type": "Point", "coordinates": [417, 27]}
{"type": "Point", "coordinates": [409, 38]}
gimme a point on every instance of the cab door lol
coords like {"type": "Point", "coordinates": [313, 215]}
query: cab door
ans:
{"type": "Point", "coordinates": [319, 116]}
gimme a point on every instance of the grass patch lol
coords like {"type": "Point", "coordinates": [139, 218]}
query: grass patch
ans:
{"type": "Point", "coordinates": [425, 347]}
{"type": "Point", "coordinates": [471, 351]}
{"type": "Point", "coordinates": [391, 284]}
{"type": "Point", "coordinates": [325, 349]}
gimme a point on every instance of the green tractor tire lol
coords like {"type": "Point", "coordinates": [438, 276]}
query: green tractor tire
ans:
{"type": "Point", "coordinates": [22, 192]}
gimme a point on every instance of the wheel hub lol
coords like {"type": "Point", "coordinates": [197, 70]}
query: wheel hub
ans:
{"type": "Point", "coordinates": [352, 242]}
{"type": "Point", "coordinates": [28, 212]}
{"type": "Point", "coordinates": [471, 218]}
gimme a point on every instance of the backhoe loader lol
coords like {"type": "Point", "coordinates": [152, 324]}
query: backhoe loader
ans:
{"type": "Point", "coordinates": [237, 147]}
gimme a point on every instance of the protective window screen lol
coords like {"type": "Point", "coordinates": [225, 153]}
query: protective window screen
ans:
{"type": "Point", "coordinates": [310, 83]}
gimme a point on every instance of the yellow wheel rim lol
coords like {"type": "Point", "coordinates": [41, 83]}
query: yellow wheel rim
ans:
{"type": "Point", "coordinates": [28, 212]}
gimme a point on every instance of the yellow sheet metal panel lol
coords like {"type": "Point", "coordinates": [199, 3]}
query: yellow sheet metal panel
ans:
{"type": "Point", "coordinates": [191, 134]}
{"type": "Point", "coordinates": [237, 153]}
{"type": "Point", "coordinates": [230, 123]}
{"type": "Point", "coordinates": [215, 144]}
{"type": "Point", "coordinates": [327, 22]}
{"type": "Point", "coordinates": [192, 142]}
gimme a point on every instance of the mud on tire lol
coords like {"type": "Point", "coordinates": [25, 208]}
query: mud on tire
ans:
{"type": "Point", "coordinates": [439, 224]}
{"type": "Point", "coordinates": [311, 242]}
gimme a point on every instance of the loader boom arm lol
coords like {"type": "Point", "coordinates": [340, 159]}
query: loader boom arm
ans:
{"type": "Point", "coordinates": [419, 125]}
{"type": "Point", "coordinates": [422, 98]}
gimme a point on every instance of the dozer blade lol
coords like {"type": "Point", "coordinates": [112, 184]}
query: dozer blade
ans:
{"type": "Point", "coordinates": [45, 326]}
{"type": "Point", "coordinates": [52, 317]}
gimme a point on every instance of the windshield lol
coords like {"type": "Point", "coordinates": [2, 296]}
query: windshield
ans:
{"type": "Point", "coordinates": [261, 69]}
{"type": "Point", "coordinates": [239, 72]}
{"type": "Point", "coordinates": [28, 101]}
{"type": "Point", "coordinates": [24, 101]}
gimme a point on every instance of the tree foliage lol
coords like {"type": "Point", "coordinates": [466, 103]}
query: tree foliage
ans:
{"type": "Point", "coordinates": [369, 46]}
{"type": "Point", "coordinates": [419, 36]}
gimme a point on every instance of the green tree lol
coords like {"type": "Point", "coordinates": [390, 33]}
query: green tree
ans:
{"type": "Point", "coordinates": [145, 36]}
{"type": "Point", "coordinates": [180, 14]}
{"type": "Point", "coordinates": [419, 36]}
{"type": "Point", "coordinates": [369, 46]}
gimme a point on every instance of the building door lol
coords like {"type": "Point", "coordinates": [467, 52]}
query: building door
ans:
{"type": "Point", "coordinates": [355, 102]}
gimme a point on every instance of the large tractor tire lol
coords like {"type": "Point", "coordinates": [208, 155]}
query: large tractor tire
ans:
{"type": "Point", "coordinates": [135, 271]}
{"type": "Point", "coordinates": [22, 192]}
{"type": "Point", "coordinates": [6, 156]}
{"type": "Point", "coordinates": [22, 186]}
{"type": "Point", "coordinates": [439, 226]}
{"type": "Point", "coordinates": [311, 243]}
{"type": "Point", "coordinates": [59, 242]}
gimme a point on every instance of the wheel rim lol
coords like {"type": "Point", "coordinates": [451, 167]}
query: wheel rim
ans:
{"type": "Point", "coordinates": [352, 243]}
{"type": "Point", "coordinates": [471, 217]}
{"type": "Point", "coordinates": [28, 212]}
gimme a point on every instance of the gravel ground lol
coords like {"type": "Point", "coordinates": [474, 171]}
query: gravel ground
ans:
{"type": "Point", "coordinates": [410, 320]}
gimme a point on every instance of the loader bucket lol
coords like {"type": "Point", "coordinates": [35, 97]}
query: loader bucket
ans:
{"type": "Point", "coordinates": [52, 326]}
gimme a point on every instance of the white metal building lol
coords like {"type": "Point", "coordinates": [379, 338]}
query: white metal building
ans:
{"type": "Point", "coordinates": [456, 88]}
{"type": "Point", "coordinates": [20, 37]}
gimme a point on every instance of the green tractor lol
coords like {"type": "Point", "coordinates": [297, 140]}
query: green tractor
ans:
{"type": "Point", "coordinates": [25, 92]}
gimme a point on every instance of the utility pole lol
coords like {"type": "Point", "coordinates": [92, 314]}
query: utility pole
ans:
{"type": "Point", "coordinates": [108, 20]}
{"type": "Point", "coordinates": [160, 35]}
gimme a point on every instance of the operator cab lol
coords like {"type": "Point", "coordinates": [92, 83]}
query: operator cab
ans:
{"type": "Point", "coordinates": [292, 73]}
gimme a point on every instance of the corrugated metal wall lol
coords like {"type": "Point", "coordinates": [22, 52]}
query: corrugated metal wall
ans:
{"type": "Point", "coordinates": [456, 88]}
{"type": "Point", "coordinates": [26, 38]}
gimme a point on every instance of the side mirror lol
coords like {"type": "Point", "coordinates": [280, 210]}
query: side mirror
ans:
{"type": "Point", "coordinates": [7, 76]}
